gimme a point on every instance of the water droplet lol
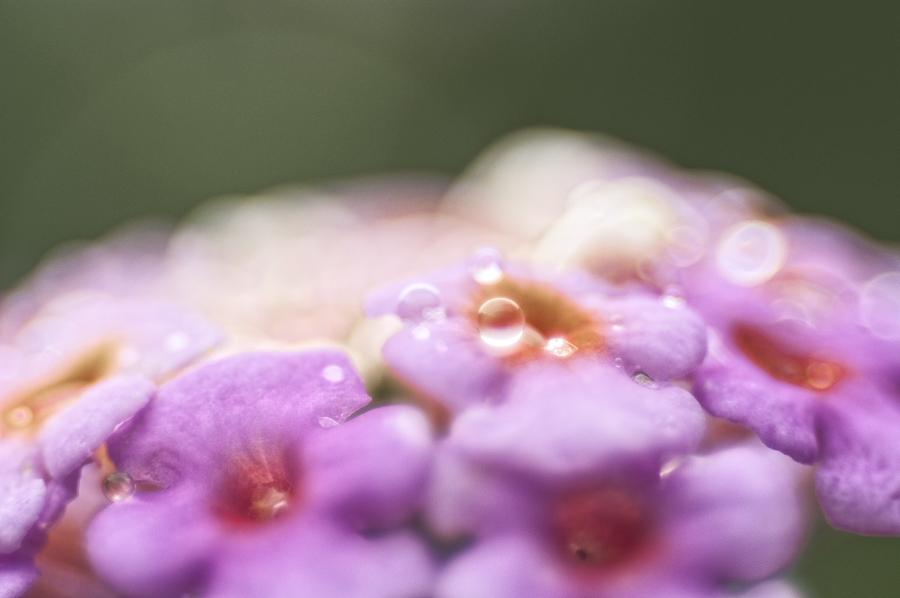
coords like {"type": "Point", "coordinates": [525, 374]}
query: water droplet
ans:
{"type": "Point", "coordinates": [642, 378]}
{"type": "Point", "coordinates": [333, 373]}
{"type": "Point", "coordinates": [487, 266]}
{"type": "Point", "coordinates": [501, 322]}
{"type": "Point", "coordinates": [119, 486]}
{"type": "Point", "coordinates": [618, 361]}
{"type": "Point", "coordinates": [420, 333]}
{"type": "Point", "coordinates": [19, 417]}
{"type": "Point", "coordinates": [176, 341]}
{"type": "Point", "coordinates": [750, 253]}
{"type": "Point", "coordinates": [673, 297]}
{"type": "Point", "coordinates": [670, 466]}
{"type": "Point", "coordinates": [327, 422]}
{"type": "Point", "coordinates": [419, 303]}
{"type": "Point", "coordinates": [560, 347]}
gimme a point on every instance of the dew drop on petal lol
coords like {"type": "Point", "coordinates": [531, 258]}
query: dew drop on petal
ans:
{"type": "Point", "coordinates": [119, 486]}
{"type": "Point", "coordinates": [420, 333]}
{"type": "Point", "coordinates": [19, 417]}
{"type": "Point", "coordinates": [618, 361]}
{"type": "Point", "coordinates": [642, 378]}
{"type": "Point", "coordinates": [501, 322]}
{"type": "Point", "coordinates": [750, 253]}
{"type": "Point", "coordinates": [419, 303]}
{"type": "Point", "coordinates": [487, 266]}
{"type": "Point", "coordinates": [673, 297]}
{"type": "Point", "coordinates": [559, 347]}
{"type": "Point", "coordinates": [333, 373]}
{"type": "Point", "coordinates": [327, 422]}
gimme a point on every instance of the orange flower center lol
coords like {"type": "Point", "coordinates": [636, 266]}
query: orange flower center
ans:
{"type": "Point", "coordinates": [800, 370]}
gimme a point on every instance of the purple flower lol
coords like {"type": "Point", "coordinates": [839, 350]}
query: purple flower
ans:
{"type": "Point", "coordinates": [804, 352]}
{"type": "Point", "coordinates": [572, 502]}
{"type": "Point", "coordinates": [472, 326]}
{"type": "Point", "coordinates": [264, 491]}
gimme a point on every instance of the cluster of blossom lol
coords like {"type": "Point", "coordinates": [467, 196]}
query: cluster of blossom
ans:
{"type": "Point", "coordinates": [595, 376]}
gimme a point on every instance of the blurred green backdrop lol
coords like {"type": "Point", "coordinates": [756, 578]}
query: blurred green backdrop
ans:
{"type": "Point", "coordinates": [111, 109]}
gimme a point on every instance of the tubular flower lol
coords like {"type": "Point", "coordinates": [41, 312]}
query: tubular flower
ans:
{"type": "Point", "coordinates": [804, 353]}
{"type": "Point", "coordinates": [573, 502]}
{"type": "Point", "coordinates": [262, 490]}
{"type": "Point", "coordinates": [472, 326]}
{"type": "Point", "coordinates": [77, 361]}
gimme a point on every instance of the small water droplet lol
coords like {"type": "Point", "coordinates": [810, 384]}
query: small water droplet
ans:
{"type": "Point", "coordinates": [673, 297]}
{"type": "Point", "coordinates": [670, 466]}
{"type": "Point", "coordinates": [501, 322]}
{"type": "Point", "coordinates": [419, 303]}
{"type": "Point", "coordinates": [176, 341]}
{"type": "Point", "coordinates": [19, 417]}
{"type": "Point", "coordinates": [618, 361]}
{"type": "Point", "coordinates": [118, 486]}
{"type": "Point", "coordinates": [642, 378]}
{"type": "Point", "coordinates": [487, 266]}
{"type": "Point", "coordinates": [420, 333]}
{"type": "Point", "coordinates": [560, 347]}
{"type": "Point", "coordinates": [333, 373]}
{"type": "Point", "coordinates": [327, 422]}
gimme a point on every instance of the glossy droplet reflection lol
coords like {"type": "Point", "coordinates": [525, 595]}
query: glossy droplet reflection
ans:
{"type": "Point", "coordinates": [642, 379]}
{"type": "Point", "coordinates": [487, 266]}
{"type": "Point", "coordinates": [119, 486]}
{"type": "Point", "coordinates": [419, 303]}
{"type": "Point", "coordinates": [501, 322]}
{"type": "Point", "coordinates": [559, 347]}
{"type": "Point", "coordinates": [673, 297]}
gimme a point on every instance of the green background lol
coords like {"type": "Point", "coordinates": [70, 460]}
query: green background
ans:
{"type": "Point", "coordinates": [115, 109]}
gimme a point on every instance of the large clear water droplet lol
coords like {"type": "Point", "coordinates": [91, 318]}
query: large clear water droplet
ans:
{"type": "Point", "coordinates": [118, 486]}
{"type": "Point", "coordinates": [501, 322]}
{"type": "Point", "coordinates": [487, 266]}
{"type": "Point", "coordinates": [419, 303]}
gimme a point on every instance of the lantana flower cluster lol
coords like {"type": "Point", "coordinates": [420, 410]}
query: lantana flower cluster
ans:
{"type": "Point", "coordinates": [577, 372]}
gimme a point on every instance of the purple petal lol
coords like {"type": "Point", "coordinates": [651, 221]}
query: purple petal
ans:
{"type": "Point", "coordinates": [782, 415]}
{"type": "Point", "coordinates": [200, 416]}
{"type": "Point", "coordinates": [580, 417]}
{"type": "Point", "coordinates": [153, 550]}
{"type": "Point", "coordinates": [662, 342]}
{"type": "Point", "coordinates": [372, 469]}
{"type": "Point", "coordinates": [857, 481]}
{"type": "Point", "coordinates": [736, 514]}
{"type": "Point", "coordinates": [505, 567]}
{"type": "Point", "coordinates": [17, 574]}
{"type": "Point", "coordinates": [447, 362]}
{"type": "Point", "coordinates": [22, 493]}
{"type": "Point", "coordinates": [73, 434]}
{"type": "Point", "coordinates": [322, 561]}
